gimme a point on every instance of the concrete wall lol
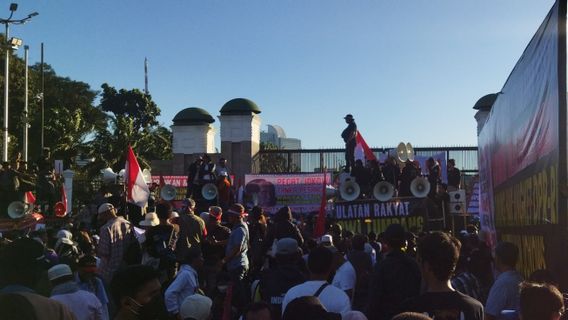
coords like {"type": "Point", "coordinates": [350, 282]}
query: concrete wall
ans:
{"type": "Point", "coordinates": [193, 139]}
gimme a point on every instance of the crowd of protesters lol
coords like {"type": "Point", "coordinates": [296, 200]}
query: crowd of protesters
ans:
{"type": "Point", "coordinates": [245, 264]}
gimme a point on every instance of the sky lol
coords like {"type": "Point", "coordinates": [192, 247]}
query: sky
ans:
{"type": "Point", "coordinates": [407, 70]}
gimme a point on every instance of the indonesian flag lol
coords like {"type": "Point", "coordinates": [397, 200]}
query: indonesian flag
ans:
{"type": "Point", "coordinates": [30, 198]}
{"type": "Point", "coordinates": [137, 189]}
{"type": "Point", "coordinates": [362, 150]}
{"type": "Point", "coordinates": [320, 222]}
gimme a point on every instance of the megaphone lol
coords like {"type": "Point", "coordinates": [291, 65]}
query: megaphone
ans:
{"type": "Point", "coordinates": [59, 209]}
{"type": "Point", "coordinates": [409, 152]}
{"type": "Point", "coordinates": [168, 192]}
{"type": "Point", "coordinates": [420, 187]}
{"type": "Point", "coordinates": [401, 152]}
{"type": "Point", "coordinates": [349, 190]}
{"type": "Point", "coordinates": [209, 191]}
{"type": "Point", "coordinates": [147, 175]}
{"type": "Point", "coordinates": [383, 191]}
{"type": "Point", "coordinates": [108, 175]}
{"type": "Point", "coordinates": [18, 209]}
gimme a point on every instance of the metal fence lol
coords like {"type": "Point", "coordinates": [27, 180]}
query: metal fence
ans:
{"type": "Point", "coordinates": [313, 160]}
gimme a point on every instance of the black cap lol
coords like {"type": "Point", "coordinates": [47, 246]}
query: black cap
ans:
{"type": "Point", "coordinates": [349, 116]}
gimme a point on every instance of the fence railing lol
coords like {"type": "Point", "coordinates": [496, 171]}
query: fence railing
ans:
{"type": "Point", "coordinates": [313, 160]}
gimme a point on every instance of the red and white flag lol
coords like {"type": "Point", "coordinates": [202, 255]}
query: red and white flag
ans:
{"type": "Point", "coordinates": [137, 189]}
{"type": "Point", "coordinates": [30, 198]}
{"type": "Point", "coordinates": [362, 150]}
{"type": "Point", "coordinates": [320, 222]}
{"type": "Point", "coordinates": [64, 197]}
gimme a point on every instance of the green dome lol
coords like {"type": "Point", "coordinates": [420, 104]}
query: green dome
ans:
{"type": "Point", "coordinates": [192, 116]}
{"type": "Point", "coordinates": [239, 106]}
{"type": "Point", "coordinates": [486, 102]}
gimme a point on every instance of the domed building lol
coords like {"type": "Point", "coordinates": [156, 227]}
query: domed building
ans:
{"type": "Point", "coordinates": [240, 134]}
{"type": "Point", "coordinates": [193, 132]}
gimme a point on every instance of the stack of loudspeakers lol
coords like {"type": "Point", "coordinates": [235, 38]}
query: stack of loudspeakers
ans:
{"type": "Point", "coordinates": [457, 202]}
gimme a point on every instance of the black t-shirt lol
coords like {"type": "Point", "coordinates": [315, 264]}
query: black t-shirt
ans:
{"type": "Point", "coordinates": [446, 306]}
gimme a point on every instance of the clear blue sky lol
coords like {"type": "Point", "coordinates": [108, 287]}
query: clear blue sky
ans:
{"type": "Point", "coordinates": [407, 70]}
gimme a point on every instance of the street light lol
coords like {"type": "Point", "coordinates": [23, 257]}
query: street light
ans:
{"type": "Point", "coordinates": [10, 44]}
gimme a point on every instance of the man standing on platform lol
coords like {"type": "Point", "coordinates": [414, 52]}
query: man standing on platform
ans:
{"type": "Point", "coordinates": [349, 136]}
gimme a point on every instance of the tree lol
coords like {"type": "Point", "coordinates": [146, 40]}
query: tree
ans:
{"type": "Point", "coordinates": [131, 119]}
{"type": "Point", "coordinates": [274, 162]}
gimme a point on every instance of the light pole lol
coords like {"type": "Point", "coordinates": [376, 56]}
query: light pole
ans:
{"type": "Point", "coordinates": [10, 44]}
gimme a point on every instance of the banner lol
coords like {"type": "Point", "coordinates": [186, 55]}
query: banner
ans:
{"type": "Point", "coordinates": [301, 192]}
{"type": "Point", "coordinates": [176, 181]}
{"type": "Point", "coordinates": [373, 215]}
{"type": "Point", "coordinates": [520, 143]}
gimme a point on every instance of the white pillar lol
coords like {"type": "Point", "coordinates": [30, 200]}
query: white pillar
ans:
{"type": "Point", "coordinates": [68, 186]}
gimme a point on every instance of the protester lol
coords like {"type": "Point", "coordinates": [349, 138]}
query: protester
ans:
{"type": "Point", "coordinates": [186, 282]}
{"type": "Point", "coordinates": [87, 279]}
{"type": "Point", "coordinates": [192, 230]}
{"type": "Point", "coordinates": [438, 255]}
{"type": "Point", "coordinates": [236, 259]}
{"type": "Point", "coordinates": [345, 276]}
{"type": "Point", "coordinates": [540, 302]}
{"type": "Point", "coordinates": [320, 266]}
{"type": "Point", "coordinates": [362, 263]}
{"type": "Point", "coordinates": [276, 281]}
{"type": "Point", "coordinates": [160, 242]}
{"type": "Point", "coordinates": [504, 294]}
{"type": "Point", "coordinates": [258, 233]}
{"type": "Point", "coordinates": [411, 316]}
{"type": "Point", "coordinates": [308, 308]}
{"type": "Point", "coordinates": [136, 291]}
{"type": "Point", "coordinates": [22, 265]}
{"type": "Point", "coordinates": [214, 248]}
{"type": "Point", "coordinates": [395, 279]}
{"type": "Point", "coordinates": [196, 307]}
{"type": "Point", "coordinates": [83, 304]}
{"type": "Point", "coordinates": [258, 311]}
{"type": "Point", "coordinates": [115, 237]}
{"type": "Point", "coordinates": [283, 227]}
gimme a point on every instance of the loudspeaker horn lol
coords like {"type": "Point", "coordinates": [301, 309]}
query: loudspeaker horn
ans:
{"type": "Point", "coordinates": [349, 190]}
{"type": "Point", "coordinates": [409, 152]}
{"type": "Point", "coordinates": [18, 209]}
{"type": "Point", "coordinates": [420, 187]}
{"type": "Point", "coordinates": [209, 191]}
{"type": "Point", "coordinates": [383, 191]}
{"type": "Point", "coordinates": [401, 152]}
{"type": "Point", "coordinates": [147, 175]}
{"type": "Point", "coordinates": [168, 192]}
{"type": "Point", "coordinates": [108, 175]}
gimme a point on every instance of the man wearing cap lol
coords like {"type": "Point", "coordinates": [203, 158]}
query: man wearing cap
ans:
{"type": "Point", "coordinates": [275, 282]}
{"type": "Point", "coordinates": [236, 259]}
{"type": "Point", "coordinates": [192, 231]}
{"type": "Point", "coordinates": [83, 304]}
{"type": "Point", "coordinates": [22, 265]}
{"type": "Point", "coordinates": [214, 247]}
{"type": "Point", "coordinates": [115, 236]}
{"type": "Point", "coordinates": [349, 136]}
{"type": "Point", "coordinates": [196, 307]}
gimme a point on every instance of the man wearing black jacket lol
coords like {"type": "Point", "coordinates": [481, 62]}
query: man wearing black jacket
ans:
{"type": "Point", "coordinates": [349, 136]}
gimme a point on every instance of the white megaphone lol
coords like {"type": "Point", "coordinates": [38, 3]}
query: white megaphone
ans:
{"type": "Point", "coordinates": [209, 191]}
{"type": "Point", "coordinates": [147, 175]}
{"type": "Point", "coordinates": [168, 192]}
{"type": "Point", "coordinates": [18, 209]}
{"type": "Point", "coordinates": [409, 152]}
{"type": "Point", "coordinates": [383, 191]}
{"type": "Point", "coordinates": [420, 187]}
{"type": "Point", "coordinates": [108, 175]}
{"type": "Point", "coordinates": [349, 190]}
{"type": "Point", "coordinates": [401, 152]}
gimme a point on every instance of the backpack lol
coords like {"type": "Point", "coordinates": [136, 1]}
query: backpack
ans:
{"type": "Point", "coordinates": [162, 247]}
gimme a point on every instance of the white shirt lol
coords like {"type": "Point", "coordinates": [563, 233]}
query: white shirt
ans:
{"type": "Point", "coordinates": [83, 304]}
{"type": "Point", "coordinates": [345, 277]}
{"type": "Point", "coordinates": [184, 285]}
{"type": "Point", "coordinates": [332, 298]}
